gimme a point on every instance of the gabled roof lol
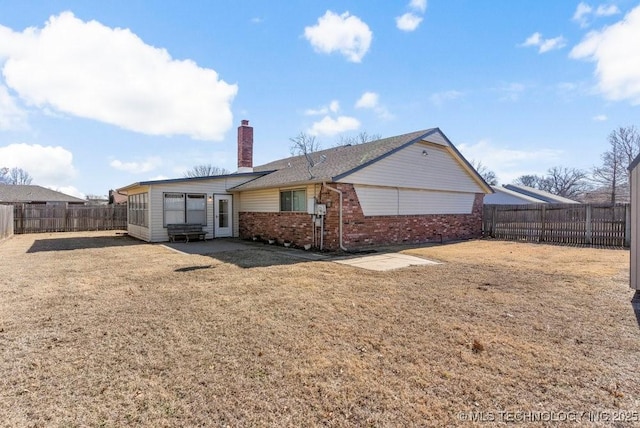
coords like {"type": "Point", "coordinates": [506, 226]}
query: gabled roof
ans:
{"type": "Point", "coordinates": [192, 179]}
{"type": "Point", "coordinates": [338, 162]}
{"type": "Point", "coordinates": [540, 194]}
{"type": "Point", "coordinates": [526, 199]}
{"type": "Point", "coordinates": [33, 193]}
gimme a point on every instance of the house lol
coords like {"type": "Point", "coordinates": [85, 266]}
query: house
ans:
{"type": "Point", "coordinates": [541, 195]}
{"type": "Point", "coordinates": [116, 198]}
{"type": "Point", "coordinates": [35, 195]}
{"type": "Point", "coordinates": [634, 183]}
{"type": "Point", "coordinates": [411, 188]}
{"type": "Point", "coordinates": [503, 196]}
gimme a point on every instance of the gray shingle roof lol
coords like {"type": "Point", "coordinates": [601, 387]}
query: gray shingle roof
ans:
{"type": "Point", "coordinates": [540, 194]}
{"type": "Point", "coordinates": [329, 164]}
{"type": "Point", "coordinates": [32, 193]}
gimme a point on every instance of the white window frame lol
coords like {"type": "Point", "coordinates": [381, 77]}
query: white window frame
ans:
{"type": "Point", "coordinates": [182, 213]}
{"type": "Point", "coordinates": [302, 202]}
{"type": "Point", "coordinates": [138, 207]}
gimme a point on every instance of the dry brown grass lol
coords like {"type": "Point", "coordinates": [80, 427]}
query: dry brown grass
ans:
{"type": "Point", "coordinates": [100, 330]}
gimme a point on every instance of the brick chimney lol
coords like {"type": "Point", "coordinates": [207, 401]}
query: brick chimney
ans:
{"type": "Point", "coordinates": [245, 147]}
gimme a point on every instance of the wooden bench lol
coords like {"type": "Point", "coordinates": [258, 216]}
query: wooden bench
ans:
{"type": "Point", "coordinates": [185, 230]}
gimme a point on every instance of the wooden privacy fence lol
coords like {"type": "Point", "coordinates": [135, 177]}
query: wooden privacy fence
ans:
{"type": "Point", "coordinates": [6, 221]}
{"type": "Point", "coordinates": [575, 224]}
{"type": "Point", "coordinates": [35, 219]}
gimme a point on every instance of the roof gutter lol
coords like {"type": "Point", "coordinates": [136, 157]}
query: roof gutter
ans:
{"type": "Point", "coordinates": [339, 192]}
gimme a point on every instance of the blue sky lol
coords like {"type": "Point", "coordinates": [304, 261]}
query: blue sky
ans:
{"type": "Point", "coordinates": [98, 95]}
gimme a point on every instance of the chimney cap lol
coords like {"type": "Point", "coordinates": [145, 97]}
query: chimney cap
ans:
{"type": "Point", "coordinates": [244, 122]}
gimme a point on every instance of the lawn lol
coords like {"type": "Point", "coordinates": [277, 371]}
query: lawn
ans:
{"type": "Point", "coordinates": [98, 329]}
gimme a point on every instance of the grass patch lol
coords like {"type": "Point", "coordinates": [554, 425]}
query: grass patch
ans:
{"type": "Point", "coordinates": [119, 333]}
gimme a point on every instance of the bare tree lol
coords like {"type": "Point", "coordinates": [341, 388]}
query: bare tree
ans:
{"type": "Point", "coordinates": [528, 180]}
{"type": "Point", "coordinates": [624, 146]}
{"type": "Point", "coordinates": [566, 182]}
{"type": "Point", "coordinates": [207, 170]}
{"type": "Point", "coordinates": [561, 181]}
{"type": "Point", "coordinates": [304, 144]}
{"type": "Point", "coordinates": [15, 176]}
{"type": "Point", "coordinates": [361, 138]}
{"type": "Point", "coordinates": [488, 175]}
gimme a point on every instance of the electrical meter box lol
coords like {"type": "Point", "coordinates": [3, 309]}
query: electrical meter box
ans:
{"type": "Point", "coordinates": [321, 209]}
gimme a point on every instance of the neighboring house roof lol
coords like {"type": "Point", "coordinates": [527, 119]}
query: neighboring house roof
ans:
{"type": "Point", "coordinates": [504, 196]}
{"type": "Point", "coordinates": [187, 179]}
{"type": "Point", "coordinates": [338, 162]}
{"type": "Point", "coordinates": [540, 194]}
{"type": "Point", "coordinates": [634, 163]}
{"type": "Point", "coordinates": [32, 193]}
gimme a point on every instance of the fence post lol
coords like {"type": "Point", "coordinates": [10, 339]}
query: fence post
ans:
{"type": "Point", "coordinates": [494, 213]}
{"type": "Point", "coordinates": [588, 230]}
{"type": "Point", "coordinates": [627, 225]}
{"type": "Point", "coordinates": [543, 213]}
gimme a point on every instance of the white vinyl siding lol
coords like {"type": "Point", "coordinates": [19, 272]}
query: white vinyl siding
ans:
{"type": "Point", "coordinates": [158, 233]}
{"type": "Point", "coordinates": [436, 169]}
{"type": "Point", "coordinates": [266, 200]}
{"type": "Point", "coordinates": [501, 197]}
{"type": "Point", "coordinates": [377, 201]}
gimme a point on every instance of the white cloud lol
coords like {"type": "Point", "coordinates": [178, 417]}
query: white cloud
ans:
{"type": "Point", "coordinates": [11, 116]}
{"type": "Point", "coordinates": [585, 12]}
{"type": "Point", "coordinates": [511, 91]}
{"type": "Point", "coordinates": [334, 107]}
{"type": "Point", "coordinates": [316, 112]}
{"type": "Point", "coordinates": [419, 5]}
{"type": "Point", "coordinates": [408, 22]}
{"type": "Point", "coordinates": [329, 126]}
{"type": "Point", "coordinates": [371, 100]}
{"type": "Point", "coordinates": [48, 165]}
{"type": "Point", "coordinates": [607, 10]}
{"type": "Point", "coordinates": [344, 33]}
{"type": "Point", "coordinates": [544, 45]}
{"type": "Point", "coordinates": [617, 58]}
{"type": "Point", "coordinates": [109, 74]}
{"type": "Point", "coordinates": [533, 40]}
{"type": "Point", "coordinates": [368, 100]}
{"type": "Point", "coordinates": [68, 190]}
{"type": "Point", "coordinates": [552, 44]}
{"type": "Point", "coordinates": [439, 98]}
{"type": "Point", "coordinates": [600, 118]}
{"type": "Point", "coordinates": [581, 14]}
{"type": "Point", "coordinates": [507, 163]}
{"type": "Point", "coordinates": [146, 165]}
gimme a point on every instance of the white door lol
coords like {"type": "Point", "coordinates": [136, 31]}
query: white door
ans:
{"type": "Point", "coordinates": [223, 216]}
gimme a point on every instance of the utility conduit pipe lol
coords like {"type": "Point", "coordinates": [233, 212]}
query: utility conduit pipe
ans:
{"type": "Point", "coordinates": [339, 192]}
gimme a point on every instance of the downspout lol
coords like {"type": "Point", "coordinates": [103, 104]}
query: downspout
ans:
{"type": "Point", "coordinates": [339, 192]}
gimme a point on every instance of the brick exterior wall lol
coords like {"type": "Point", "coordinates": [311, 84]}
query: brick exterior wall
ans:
{"type": "Point", "coordinates": [358, 230]}
{"type": "Point", "coordinates": [245, 145]}
{"type": "Point", "coordinates": [294, 227]}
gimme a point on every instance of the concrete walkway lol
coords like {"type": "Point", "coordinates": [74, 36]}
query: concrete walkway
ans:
{"type": "Point", "coordinates": [221, 245]}
{"type": "Point", "coordinates": [384, 262]}
{"type": "Point", "coordinates": [376, 262]}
